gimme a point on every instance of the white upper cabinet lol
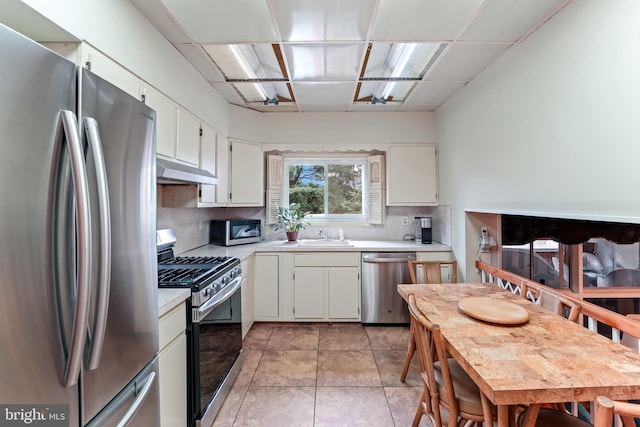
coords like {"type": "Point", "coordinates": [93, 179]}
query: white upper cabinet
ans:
{"type": "Point", "coordinates": [412, 175]}
{"type": "Point", "coordinates": [208, 140]}
{"type": "Point", "coordinates": [166, 119]}
{"type": "Point", "coordinates": [222, 170]}
{"type": "Point", "coordinates": [188, 140]}
{"type": "Point", "coordinates": [214, 158]}
{"type": "Point", "coordinates": [246, 174]}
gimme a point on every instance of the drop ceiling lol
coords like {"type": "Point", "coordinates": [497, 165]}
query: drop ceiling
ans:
{"type": "Point", "coordinates": [343, 55]}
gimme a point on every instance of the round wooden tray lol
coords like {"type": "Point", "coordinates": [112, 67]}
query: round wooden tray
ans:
{"type": "Point", "coordinates": [494, 310]}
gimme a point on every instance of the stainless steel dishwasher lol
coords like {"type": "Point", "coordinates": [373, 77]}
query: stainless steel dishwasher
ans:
{"type": "Point", "coordinates": [381, 273]}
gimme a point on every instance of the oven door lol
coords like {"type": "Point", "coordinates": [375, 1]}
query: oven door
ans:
{"type": "Point", "coordinates": [216, 351]}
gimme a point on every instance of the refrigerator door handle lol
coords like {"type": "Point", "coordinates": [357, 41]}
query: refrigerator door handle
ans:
{"type": "Point", "coordinates": [141, 396]}
{"type": "Point", "coordinates": [81, 189]}
{"type": "Point", "coordinates": [96, 337]}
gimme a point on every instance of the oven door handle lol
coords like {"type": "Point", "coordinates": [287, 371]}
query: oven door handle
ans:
{"type": "Point", "coordinates": [207, 307]}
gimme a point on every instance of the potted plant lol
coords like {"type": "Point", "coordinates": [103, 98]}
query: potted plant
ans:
{"type": "Point", "coordinates": [289, 219]}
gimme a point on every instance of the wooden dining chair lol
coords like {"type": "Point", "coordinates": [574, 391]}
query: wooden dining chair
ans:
{"type": "Point", "coordinates": [431, 271]}
{"type": "Point", "coordinates": [553, 414]}
{"type": "Point", "coordinates": [552, 301]}
{"type": "Point", "coordinates": [425, 272]}
{"type": "Point", "coordinates": [548, 417]}
{"type": "Point", "coordinates": [606, 409]}
{"type": "Point", "coordinates": [446, 384]}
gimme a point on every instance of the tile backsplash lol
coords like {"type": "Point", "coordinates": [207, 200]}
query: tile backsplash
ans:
{"type": "Point", "coordinates": [191, 225]}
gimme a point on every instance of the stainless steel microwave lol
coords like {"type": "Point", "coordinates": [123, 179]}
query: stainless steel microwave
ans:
{"type": "Point", "coordinates": [230, 232]}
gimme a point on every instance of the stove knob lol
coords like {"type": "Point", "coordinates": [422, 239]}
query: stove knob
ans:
{"type": "Point", "coordinates": [207, 292]}
{"type": "Point", "coordinates": [224, 281]}
{"type": "Point", "coordinates": [233, 273]}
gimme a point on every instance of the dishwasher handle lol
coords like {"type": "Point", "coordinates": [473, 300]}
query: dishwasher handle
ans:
{"type": "Point", "coordinates": [387, 260]}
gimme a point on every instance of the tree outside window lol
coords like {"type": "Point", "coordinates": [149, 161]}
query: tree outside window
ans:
{"type": "Point", "coordinates": [328, 188]}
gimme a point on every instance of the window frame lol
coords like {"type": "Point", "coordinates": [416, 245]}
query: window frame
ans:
{"type": "Point", "coordinates": [326, 160]}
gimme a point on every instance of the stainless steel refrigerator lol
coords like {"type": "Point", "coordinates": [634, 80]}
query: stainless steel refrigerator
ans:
{"type": "Point", "coordinates": [78, 273]}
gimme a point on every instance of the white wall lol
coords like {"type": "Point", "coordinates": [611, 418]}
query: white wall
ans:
{"type": "Point", "coordinates": [349, 128]}
{"type": "Point", "coordinates": [553, 126]}
{"type": "Point", "coordinates": [245, 124]}
{"type": "Point", "coordinates": [117, 29]}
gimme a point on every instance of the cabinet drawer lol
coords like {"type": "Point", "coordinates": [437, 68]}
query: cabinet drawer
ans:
{"type": "Point", "coordinates": [173, 324]}
{"type": "Point", "coordinates": [333, 259]}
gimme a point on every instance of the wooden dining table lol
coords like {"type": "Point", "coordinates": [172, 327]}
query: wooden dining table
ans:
{"type": "Point", "coordinates": [545, 359]}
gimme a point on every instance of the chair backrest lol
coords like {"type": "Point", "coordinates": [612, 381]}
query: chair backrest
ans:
{"type": "Point", "coordinates": [440, 377]}
{"type": "Point", "coordinates": [606, 409]}
{"type": "Point", "coordinates": [430, 347]}
{"type": "Point", "coordinates": [431, 271]}
{"type": "Point", "coordinates": [552, 301]}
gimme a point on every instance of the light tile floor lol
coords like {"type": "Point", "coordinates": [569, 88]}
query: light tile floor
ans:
{"type": "Point", "coordinates": [323, 375]}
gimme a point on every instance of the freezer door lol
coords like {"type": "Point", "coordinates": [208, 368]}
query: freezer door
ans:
{"type": "Point", "coordinates": [35, 86]}
{"type": "Point", "coordinates": [137, 405]}
{"type": "Point", "coordinates": [125, 128]}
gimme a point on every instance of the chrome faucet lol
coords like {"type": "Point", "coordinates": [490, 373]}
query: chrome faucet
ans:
{"type": "Point", "coordinates": [323, 234]}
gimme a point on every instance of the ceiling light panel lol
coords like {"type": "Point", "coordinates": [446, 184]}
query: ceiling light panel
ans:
{"type": "Point", "coordinates": [395, 91]}
{"type": "Point", "coordinates": [384, 59]}
{"type": "Point", "coordinates": [324, 62]}
{"type": "Point", "coordinates": [323, 93]}
{"type": "Point", "coordinates": [257, 61]}
{"type": "Point", "coordinates": [323, 20]}
{"type": "Point", "coordinates": [251, 93]}
{"type": "Point", "coordinates": [256, 92]}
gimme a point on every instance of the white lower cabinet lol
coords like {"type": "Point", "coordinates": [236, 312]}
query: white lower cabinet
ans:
{"type": "Point", "coordinates": [312, 286]}
{"type": "Point", "coordinates": [326, 286]}
{"type": "Point", "coordinates": [344, 293]}
{"type": "Point", "coordinates": [266, 287]}
{"type": "Point", "coordinates": [309, 293]}
{"type": "Point", "coordinates": [173, 368]}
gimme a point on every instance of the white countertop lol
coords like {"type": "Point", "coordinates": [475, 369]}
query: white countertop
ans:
{"type": "Point", "coordinates": [244, 251]}
{"type": "Point", "coordinates": [169, 298]}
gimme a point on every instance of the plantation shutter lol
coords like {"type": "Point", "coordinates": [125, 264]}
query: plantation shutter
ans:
{"type": "Point", "coordinates": [376, 188]}
{"type": "Point", "coordinates": [275, 176]}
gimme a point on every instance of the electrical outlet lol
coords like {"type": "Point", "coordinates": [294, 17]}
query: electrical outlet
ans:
{"type": "Point", "coordinates": [405, 220]}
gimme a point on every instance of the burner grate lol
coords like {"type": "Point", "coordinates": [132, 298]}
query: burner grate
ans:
{"type": "Point", "coordinates": [192, 271]}
{"type": "Point", "coordinates": [182, 276]}
{"type": "Point", "coordinates": [196, 260]}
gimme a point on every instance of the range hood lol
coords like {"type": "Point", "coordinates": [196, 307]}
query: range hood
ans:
{"type": "Point", "coordinates": [170, 172]}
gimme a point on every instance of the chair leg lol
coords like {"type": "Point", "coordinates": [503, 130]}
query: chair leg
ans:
{"type": "Point", "coordinates": [423, 408]}
{"type": "Point", "coordinates": [410, 352]}
{"type": "Point", "coordinates": [417, 417]}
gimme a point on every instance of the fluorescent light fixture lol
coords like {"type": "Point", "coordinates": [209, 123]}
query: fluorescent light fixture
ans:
{"type": "Point", "coordinates": [248, 71]}
{"type": "Point", "coordinates": [399, 68]}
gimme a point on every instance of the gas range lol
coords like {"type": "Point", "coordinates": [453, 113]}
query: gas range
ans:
{"type": "Point", "coordinates": [214, 326]}
{"type": "Point", "coordinates": [205, 276]}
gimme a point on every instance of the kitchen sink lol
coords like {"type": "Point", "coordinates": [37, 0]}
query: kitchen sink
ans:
{"type": "Point", "coordinates": [325, 243]}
